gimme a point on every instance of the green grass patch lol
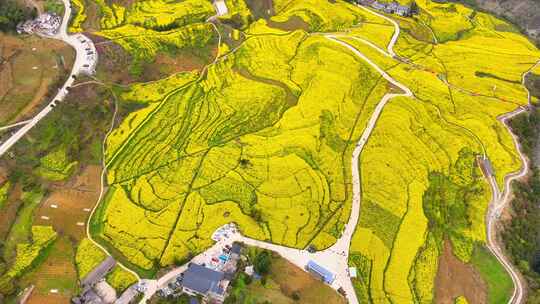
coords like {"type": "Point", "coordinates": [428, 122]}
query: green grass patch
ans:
{"type": "Point", "coordinates": [499, 283]}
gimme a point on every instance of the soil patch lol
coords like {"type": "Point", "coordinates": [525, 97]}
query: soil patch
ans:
{"type": "Point", "coordinates": [228, 37]}
{"type": "Point", "coordinates": [292, 279]}
{"type": "Point", "coordinates": [261, 8]}
{"type": "Point", "coordinates": [91, 24]}
{"type": "Point", "coordinates": [183, 61]}
{"type": "Point", "coordinates": [48, 299]}
{"type": "Point", "coordinates": [294, 23]}
{"type": "Point", "coordinates": [455, 278]}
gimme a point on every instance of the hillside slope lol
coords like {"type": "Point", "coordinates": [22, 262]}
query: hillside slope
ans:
{"type": "Point", "coordinates": [524, 13]}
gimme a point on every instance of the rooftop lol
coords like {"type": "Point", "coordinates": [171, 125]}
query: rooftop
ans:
{"type": "Point", "coordinates": [99, 272]}
{"type": "Point", "coordinates": [236, 248]}
{"type": "Point", "coordinates": [201, 279]}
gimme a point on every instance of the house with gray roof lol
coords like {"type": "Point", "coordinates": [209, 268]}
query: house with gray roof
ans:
{"type": "Point", "coordinates": [200, 280]}
{"type": "Point", "coordinates": [378, 5]}
{"type": "Point", "coordinates": [99, 272]}
{"type": "Point", "coordinates": [403, 10]}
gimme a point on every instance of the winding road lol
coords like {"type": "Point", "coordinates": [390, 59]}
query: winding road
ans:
{"type": "Point", "coordinates": [500, 201]}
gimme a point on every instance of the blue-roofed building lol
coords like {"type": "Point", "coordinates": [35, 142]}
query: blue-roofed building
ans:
{"type": "Point", "coordinates": [322, 273]}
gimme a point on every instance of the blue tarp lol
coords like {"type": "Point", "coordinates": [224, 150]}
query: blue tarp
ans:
{"type": "Point", "coordinates": [326, 275]}
{"type": "Point", "coordinates": [224, 258]}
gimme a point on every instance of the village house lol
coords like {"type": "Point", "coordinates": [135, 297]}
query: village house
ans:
{"type": "Point", "coordinates": [403, 10]}
{"type": "Point", "coordinates": [206, 282]}
{"type": "Point", "coordinates": [389, 7]}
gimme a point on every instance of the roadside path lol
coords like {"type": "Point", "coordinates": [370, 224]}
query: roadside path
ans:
{"type": "Point", "coordinates": [397, 30]}
{"type": "Point", "coordinates": [81, 65]}
{"type": "Point", "coordinates": [102, 181]}
{"type": "Point", "coordinates": [14, 125]}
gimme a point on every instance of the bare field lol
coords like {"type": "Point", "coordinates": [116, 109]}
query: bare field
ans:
{"type": "Point", "coordinates": [455, 278]}
{"type": "Point", "coordinates": [67, 207]}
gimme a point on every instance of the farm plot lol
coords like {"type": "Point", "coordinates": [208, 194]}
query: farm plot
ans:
{"type": "Point", "coordinates": [249, 144]}
{"type": "Point", "coordinates": [145, 44]}
{"type": "Point", "coordinates": [449, 21]}
{"type": "Point", "coordinates": [67, 207]}
{"type": "Point", "coordinates": [31, 67]}
{"type": "Point", "coordinates": [80, 16]}
{"type": "Point", "coordinates": [56, 165]}
{"type": "Point", "coordinates": [26, 255]}
{"type": "Point", "coordinates": [56, 272]}
{"type": "Point", "coordinates": [88, 256]}
{"type": "Point", "coordinates": [4, 193]}
{"type": "Point", "coordinates": [419, 168]}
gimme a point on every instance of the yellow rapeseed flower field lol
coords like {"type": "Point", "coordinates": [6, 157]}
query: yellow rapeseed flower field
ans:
{"type": "Point", "coordinates": [263, 136]}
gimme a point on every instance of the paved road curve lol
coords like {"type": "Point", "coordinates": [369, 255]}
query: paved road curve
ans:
{"type": "Point", "coordinates": [81, 65]}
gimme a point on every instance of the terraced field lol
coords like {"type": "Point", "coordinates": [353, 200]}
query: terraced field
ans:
{"type": "Point", "coordinates": [146, 28]}
{"type": "Point", "coordinates": [263, 136]}
{"type": "Point", "coordinates": [249, 144]}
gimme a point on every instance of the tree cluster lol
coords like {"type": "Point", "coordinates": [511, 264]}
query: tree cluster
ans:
{"type": "Point", "coordinates": [11, 13]}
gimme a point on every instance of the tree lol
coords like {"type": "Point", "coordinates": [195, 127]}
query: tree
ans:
{"type": "Point", "coordinates": [414, 8]}
{"type": "Point", "coordinates": [262, 262]}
